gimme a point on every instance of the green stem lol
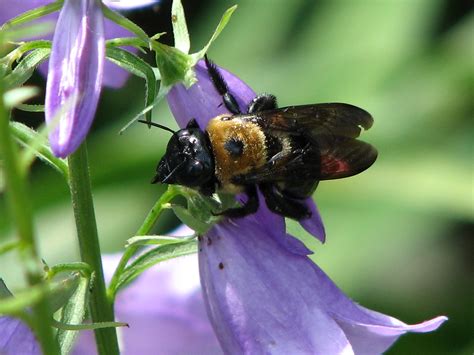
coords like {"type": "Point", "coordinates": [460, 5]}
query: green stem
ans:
{"type": "Point", "coordinates": [21, 212]}
{"type": "Point", "coordinates": [144, 229]}
{"type": "Point", "coordinates": [100, 308]}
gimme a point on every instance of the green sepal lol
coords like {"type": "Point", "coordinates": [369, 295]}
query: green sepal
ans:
{"type": "Point", "coordinates": [16, 54]}
{"type": "Point", "coordinates": [125, 23]}
{"type": "Point", "coordinates": [37, 145]}
{"type": "Point", "coordinates": [24, 70]}
{"type": "Point", "coordinates": [32, 15]}
{"type": "Point", "coordinates": [153, 257]}
{"type": "Point", "coordinates": [138, 67]}
{"type": "Point", "coordinates": [174, 65]}
{"type": "Point", "coordinates": [195, 57]}
{"type": "Point", "coordinates": [180, 28]}
{"type": "Point", "coordinates": [19, 32]}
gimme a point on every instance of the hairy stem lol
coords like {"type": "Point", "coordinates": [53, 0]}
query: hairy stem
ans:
{"type": "Point", "coordinates": [100, 308]}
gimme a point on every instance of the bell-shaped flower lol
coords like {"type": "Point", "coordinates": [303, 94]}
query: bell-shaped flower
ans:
{"type": "Point", "coordinates": [262, 292]}
{"type": "Point", "coordinates": [77, 67]}
{"type": "Point", "coordinates": [164, 309]}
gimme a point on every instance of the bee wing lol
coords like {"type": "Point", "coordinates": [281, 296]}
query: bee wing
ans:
{"type": "Point", "coordinates": [332, 158]}
{"type": "Point", "coordinates": [343, 157]}
{"type": "Point", "coordinates": [335, 119]}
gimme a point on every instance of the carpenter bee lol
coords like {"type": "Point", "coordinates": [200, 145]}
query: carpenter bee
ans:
{"type": "Point", "coordinates": [284, 152]}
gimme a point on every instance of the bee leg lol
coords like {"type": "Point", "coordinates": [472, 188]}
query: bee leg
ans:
{"type": "Point", "coordinates": [221, 86]}
{"type": "Point", "coordinates": [249, 207]}
{"type": "Point", "coordinates": [283, 205]}
{"type": "Point", "coordinates": [263, 102]}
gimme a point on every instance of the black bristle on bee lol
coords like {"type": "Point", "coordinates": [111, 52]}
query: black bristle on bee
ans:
{"type": "Point", "coordinates": [284, 152]}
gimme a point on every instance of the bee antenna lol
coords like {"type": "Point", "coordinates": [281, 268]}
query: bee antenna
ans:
{"type": "Point", "coordinates": [172, 172]}
{"type": "Point", "coordinates": [150, 123]}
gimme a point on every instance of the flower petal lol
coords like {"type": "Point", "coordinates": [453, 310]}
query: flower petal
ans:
{"type": "Point", "coordinates": [17, 338]}
{"type": "Point", "coordinates": [201, 101]}
{"type": "Point", "coordinates": [314, 224]}
{"type": "Point", "coordinates": [261, 298]}
{"type": "Point", "coordinates": [75, 74]}
{"type": "Point", "coordinates": [128, 4]}
{"type": "Point", "coordinates": [275, 227]}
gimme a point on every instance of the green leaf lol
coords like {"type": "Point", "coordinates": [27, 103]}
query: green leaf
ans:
{"type": "Point", "coordinates": [73, 313]}
{"type": "Point", "coordinates": [25, 68]}
{"type": "Point", "coordinates": [180, 29]}
{"type": "Point", "coordinates": [190, 220]}
{"type": "Point", "coordinates": [222, 23]}
{"type": "Point", "coordinates": [153, 257]}
{"type": "Point", "coordinates": [154, 240]}
{"type": "Point", "coordinates": [125, 23]}
{"type": "Point", "coordinates": [17, 53]}
{"type": "Point", "coordinates": [14, 97]}
{"type": "Point", "coordinates": [127, 41]}
{"type": "Point", "coordinates": [138, 67]}
{"type": "Point", "coordinates": [37, 145]}
{"type": "Point", "coordinates": [32, 15]}
{"type": "Point", "coordinates": [58, 292]}
{"type": "Point", "coordinates": [161, 95]}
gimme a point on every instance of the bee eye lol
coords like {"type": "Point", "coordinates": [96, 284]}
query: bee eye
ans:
{"type": "Point", "coordinates": [195, 168]}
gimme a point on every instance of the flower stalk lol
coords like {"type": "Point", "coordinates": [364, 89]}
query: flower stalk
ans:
{"type": "Point", "coordinates": [101, 309]}
{"type": "Point", "coordinates": [21, 212]}
{"type": "Point", "coordinates": [144, 229]}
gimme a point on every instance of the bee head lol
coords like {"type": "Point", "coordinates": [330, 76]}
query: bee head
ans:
{"type": "Point", "coordinates": [188, 160]}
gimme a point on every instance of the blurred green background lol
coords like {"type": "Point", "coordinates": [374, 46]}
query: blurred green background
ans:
{"type": "Point", "coordinates": [399, 236]}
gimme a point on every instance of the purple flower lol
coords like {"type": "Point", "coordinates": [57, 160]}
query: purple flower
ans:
{"type": "Point", "coordinates": [262, 293]}
{"type": "Point", "coordinates": [75, 74]}
{"type": "Point", "coordinates": [17, 338]}
{"type": "Point", "coordinates": [76, 66]}
{"type": "Point", "coordinates": [164, 309]}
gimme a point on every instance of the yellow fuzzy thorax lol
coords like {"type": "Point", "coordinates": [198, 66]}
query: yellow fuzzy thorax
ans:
{"type": "Point", "coordinates": [224, 128]}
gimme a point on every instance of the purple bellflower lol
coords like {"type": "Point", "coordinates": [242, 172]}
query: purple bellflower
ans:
{"type": "Point", "coordinates": [164, 308]}
{"type": "Point", "coordinates": [77, 66]}
{"type": "Point", "coordinates": [262, 293]}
